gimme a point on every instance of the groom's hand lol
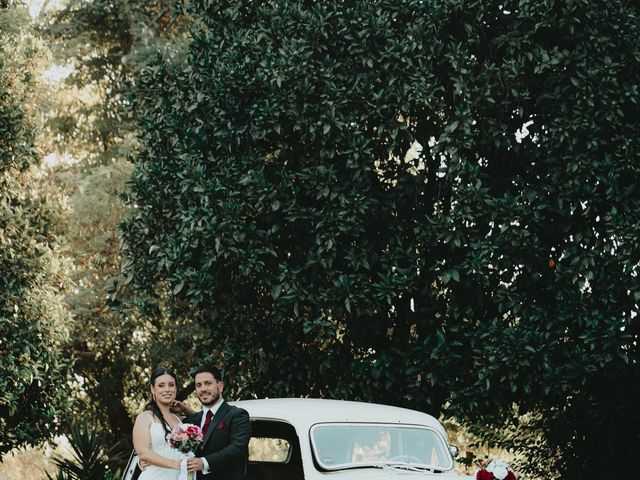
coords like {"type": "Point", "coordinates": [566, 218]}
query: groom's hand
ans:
{"type": "Point", "coordinates": [195, 465]}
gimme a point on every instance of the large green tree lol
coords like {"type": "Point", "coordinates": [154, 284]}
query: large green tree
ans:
{"type": "Point", "coordinates": [106, 43]}
{"type": "Point", "coordinates": [421, 203]}
{"type": "Point", "coordinates": [114, 346]}
{"type": "Point", "coordinates": [33, 374]}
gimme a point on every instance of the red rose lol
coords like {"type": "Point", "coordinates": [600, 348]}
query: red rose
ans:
{"type": "Point", "coordinates": [222, 426]}
{"type": "Point", "coordinates": [484, 475]}
{"type": "Point", "coordinates": [510, 476]}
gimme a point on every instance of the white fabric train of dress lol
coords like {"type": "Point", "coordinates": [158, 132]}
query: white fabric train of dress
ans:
{"type": "Point", "coordinates": [160, 446]}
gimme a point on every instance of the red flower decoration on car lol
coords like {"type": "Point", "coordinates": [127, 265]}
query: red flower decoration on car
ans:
{"type": "Point", "coordinates": [484, 475]}
{"type": "Point", "coordinates": [494, 470]}
{"type": "Point", "coordinates": [222, 426]}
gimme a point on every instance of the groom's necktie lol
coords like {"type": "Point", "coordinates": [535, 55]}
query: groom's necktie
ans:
{"type": "Point", "coordinates": [207, 422]}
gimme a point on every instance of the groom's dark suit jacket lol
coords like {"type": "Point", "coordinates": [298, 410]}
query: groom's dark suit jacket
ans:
{"type": "Point", "coordinates": [225, 446]}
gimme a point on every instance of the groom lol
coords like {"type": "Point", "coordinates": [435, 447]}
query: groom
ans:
{"type": "Point", "coordinates": [226, 429]}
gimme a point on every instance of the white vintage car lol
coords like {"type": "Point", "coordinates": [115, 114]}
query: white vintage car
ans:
{"type": "Point", "coordinates": [313, 439]}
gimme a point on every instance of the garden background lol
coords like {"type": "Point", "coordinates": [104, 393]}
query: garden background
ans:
{"type": "Point", "coordinates": [431, 204]}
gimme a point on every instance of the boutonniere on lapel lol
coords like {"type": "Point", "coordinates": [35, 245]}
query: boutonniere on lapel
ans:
{"type": "Point", "coordinates": [222, 426]}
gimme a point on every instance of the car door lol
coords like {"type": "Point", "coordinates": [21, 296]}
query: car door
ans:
{"type": "Point", "coordinates": [132, 472]}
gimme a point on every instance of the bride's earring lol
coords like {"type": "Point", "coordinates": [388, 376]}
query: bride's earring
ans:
{"type": "Point", "coordinates": [154, 396]}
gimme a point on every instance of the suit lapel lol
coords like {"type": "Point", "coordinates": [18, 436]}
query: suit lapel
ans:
{"type": "Point", "coordinates": [197, 418]}
{"type": "Point", "coordinates": [215, 421]}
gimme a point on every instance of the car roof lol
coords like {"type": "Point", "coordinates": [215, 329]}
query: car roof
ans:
{"type": "Point", "coordinates": [309, 411]}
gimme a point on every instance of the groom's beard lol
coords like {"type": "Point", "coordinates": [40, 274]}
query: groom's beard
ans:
{"type": "Point", "coordinates": [214, 398]}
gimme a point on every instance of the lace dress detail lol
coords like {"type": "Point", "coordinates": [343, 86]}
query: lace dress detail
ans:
{"type": "Point", "coordinates": [160, 446]}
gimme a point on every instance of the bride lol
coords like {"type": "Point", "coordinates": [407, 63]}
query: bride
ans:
{"type": "Point", "coordinates": [153, 425]}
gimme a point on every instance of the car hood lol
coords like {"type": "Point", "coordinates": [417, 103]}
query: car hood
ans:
{"type": "Point", "coordinates": [392, 474]}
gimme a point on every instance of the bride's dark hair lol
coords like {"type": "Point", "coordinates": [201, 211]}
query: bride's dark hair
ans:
{"type": "Point", "coordinates": [152, 406]}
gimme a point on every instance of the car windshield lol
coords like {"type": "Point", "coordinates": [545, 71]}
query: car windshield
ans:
{"type": "Point", "coordinates": [338, 446]}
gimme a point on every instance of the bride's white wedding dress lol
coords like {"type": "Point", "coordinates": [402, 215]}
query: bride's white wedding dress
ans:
{"type": "Point", "coordinates": [160, 446]}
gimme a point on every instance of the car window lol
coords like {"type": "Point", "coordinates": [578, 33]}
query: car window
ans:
{"type": "Point", "coordinates": [371, 444]}
{"type": "Point", "coordinates": [273, 441]}
{"type": "Point", "coordinates": [348, 445]}
{"type": "Point", "coordinates": [266, 449]}
{"type": "Point", "coordinates": [274, 451]}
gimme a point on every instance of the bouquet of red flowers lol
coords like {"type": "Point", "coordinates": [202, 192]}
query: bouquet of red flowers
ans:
{"type": "Point", "coordinates": [495, 470]}
{"type": "Point", "coordinates": [185, 438]}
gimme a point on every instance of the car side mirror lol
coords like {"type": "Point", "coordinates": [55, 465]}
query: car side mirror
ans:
{"type": "Point", "coordinates": [454, 451]}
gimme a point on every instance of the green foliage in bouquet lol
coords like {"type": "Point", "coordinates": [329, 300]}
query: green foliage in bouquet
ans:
{"type": "Point", "coordinates": [418, 203]}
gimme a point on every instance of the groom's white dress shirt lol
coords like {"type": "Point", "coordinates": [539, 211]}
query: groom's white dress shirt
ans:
{"type": "Point", "coordinates": [214, 409]}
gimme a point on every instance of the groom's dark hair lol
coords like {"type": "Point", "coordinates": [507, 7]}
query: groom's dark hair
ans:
{"type": "Point", "coordinates": [215, 371]}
